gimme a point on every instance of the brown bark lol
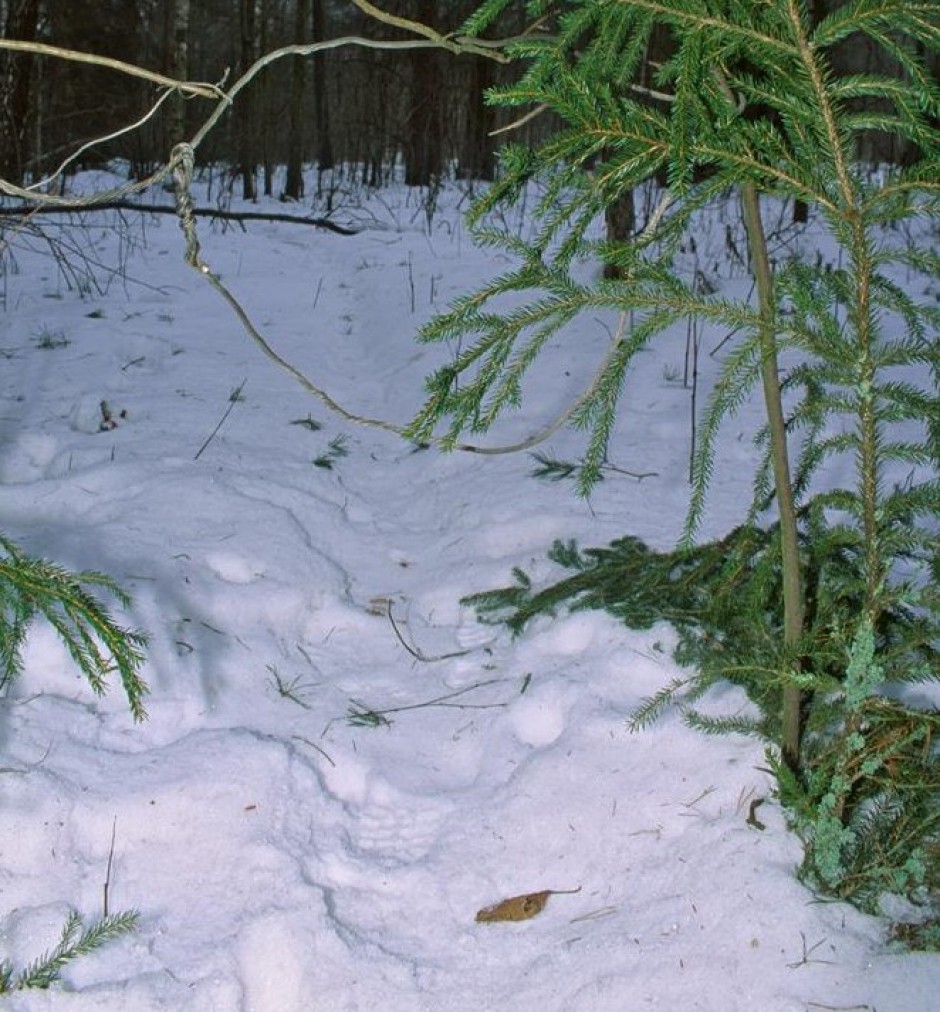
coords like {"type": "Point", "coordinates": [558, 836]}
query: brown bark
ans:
{"type": "Point", "coordinates": [478, 159]}
{"type": "Point", "coordinates": [16, 76]}
{"type": "Point", "coordinates": [323, 141]}
{"type": "Point", "coordinates": [247, 159]}
{"type": "Point", "coordinates": [424, 156]}
{"type": "Point", "coordinates": [179, 68]}
{"type": "Point", "coordinates": [620, 222]}
{"type": "Point", "coordinates": [294, 184]}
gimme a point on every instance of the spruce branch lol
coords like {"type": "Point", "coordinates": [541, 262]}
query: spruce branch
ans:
{"type": "Point", "coordinates": [76, 940]}
{"type": "Point", "coordinates": [30, 587]}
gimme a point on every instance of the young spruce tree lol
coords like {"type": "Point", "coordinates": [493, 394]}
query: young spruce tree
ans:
{"type": "Point", "coordinates": [743, 99]}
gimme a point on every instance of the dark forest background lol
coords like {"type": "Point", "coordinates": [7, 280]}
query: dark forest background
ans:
{"type": "Point", "coordinates": [373, 112]}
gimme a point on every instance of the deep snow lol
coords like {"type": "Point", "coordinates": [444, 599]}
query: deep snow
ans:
{"type": "Point", "coordinates": [284, 858]}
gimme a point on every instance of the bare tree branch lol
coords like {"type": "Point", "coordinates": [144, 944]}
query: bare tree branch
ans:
{"type": "Point", "coordinates": [491, 50]}
{"type": "Point", "coordinates": [130, 128]}
{"type": "Point", "coordinates": [181, 165]}
{"type": "Point", "coordinates": [309, 49]}
{"type": "Point", "coordinates": [223, 99]}
{"type": "Point", "coordinates": [42, 49]}
{"type": "Point", "coordinates": [415, 27]}
{"type": "Point", "coordinates": [182, 162]}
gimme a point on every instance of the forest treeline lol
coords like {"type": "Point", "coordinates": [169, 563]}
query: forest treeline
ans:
{"type": "Point", "coordinates": [377, 110]}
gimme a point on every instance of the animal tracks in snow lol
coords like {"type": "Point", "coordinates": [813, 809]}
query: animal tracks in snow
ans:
{"type": "Point", "coordinates": [232, 568]}
{"type": "Point", "coordinates": [540, 719]}
{"type": "Point", "coordinates": [396, 827]}
{"type": "Point", "coordinates": [380, 819]}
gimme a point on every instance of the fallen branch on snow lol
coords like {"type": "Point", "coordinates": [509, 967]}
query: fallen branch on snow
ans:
{"type": "Point", "coordinates": [199, 212]}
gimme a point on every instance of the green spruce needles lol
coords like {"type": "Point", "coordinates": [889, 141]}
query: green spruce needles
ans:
{"type": "Point", "coordinates": [836, 561]}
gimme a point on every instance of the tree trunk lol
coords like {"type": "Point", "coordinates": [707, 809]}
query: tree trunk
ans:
{"type": "Point", "coordinates": [478, 160]}
{"type": "Point", "coordinates": [620, 220]}
{"type": "Point", "coordinates": [16, 74]}
{"type": "Point", "coordinates": [246, 141]}
{"type": "Point", "coordinates": [294, 184]}
{"type": "Point", "coordinates": [815, 12]}
{"type": "Point", "coordinates": [264, 104]}
{"type": "Point", "coordinates": [424, 157]}
{"type": "Point", "coordinates": [179, 68]}
{"type": "Point", "coordinates": [776, 422]}
{"type": "Point", "coordinates": [322, 141]}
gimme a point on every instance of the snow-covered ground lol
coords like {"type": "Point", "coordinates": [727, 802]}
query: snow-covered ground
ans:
{"type": "Point", "coordinates": [283, 856]}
